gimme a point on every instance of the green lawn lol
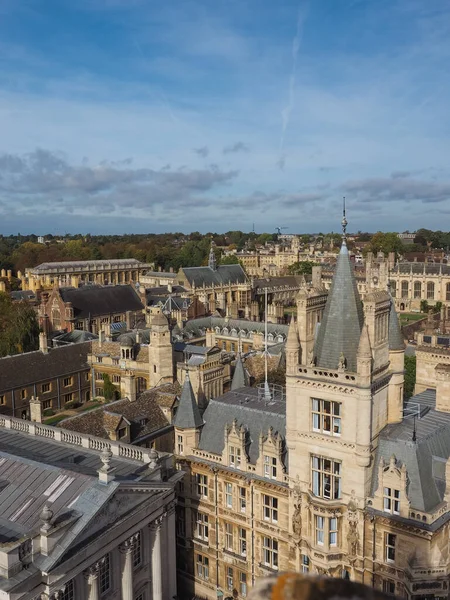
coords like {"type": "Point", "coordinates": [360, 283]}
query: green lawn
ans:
{"type": "Point", "coordinates": [406, 318]}
{"type": "Point", "coordinates": [55, 419]}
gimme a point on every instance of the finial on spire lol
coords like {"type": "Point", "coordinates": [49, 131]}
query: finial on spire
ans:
{"type": "Point", "coordinates": [344, 223]}
{"type": "Point", "coordinates": [212, 263]}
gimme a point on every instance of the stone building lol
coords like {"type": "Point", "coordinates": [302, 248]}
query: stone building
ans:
{"type": "Point", "coordinates": [230, 334]}
{"type": "Point", "coordinates": [143, 421]}
{"type": "Point", "coordinates": [337, 477]}
{"type": "Point", "coordinates": [74, 273]}
{"type": "Point", "coordinates": [55, 376]}
{"type": "Point", "coordinates": [83, 518]}
{"type": "Point", "coordinates": [413, 282]}
{"type": "Point", "coordinates": [224, 287]}
{"type": "Point", "coordinates": [272, 260]}
{"type": "Point", "coordinates": [145, 356]}
{"type": "Point", "coordinates": [90, 308]}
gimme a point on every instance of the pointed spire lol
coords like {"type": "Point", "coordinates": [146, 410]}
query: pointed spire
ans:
{"type": "Point", "coordinates": [212, 263]}
{"type": "Point", "coordinates": [364, 348]}
{"type": "Point", "coordinates": [240, 377]}
{"type": "Point", "coordinates": [395, 335]}
{"type": "Point", "coordinates": [343, 318]}
{"type": "Point", "coordinates": [188, 414]}
{"type": "Point", "coordinates": [292, 342]}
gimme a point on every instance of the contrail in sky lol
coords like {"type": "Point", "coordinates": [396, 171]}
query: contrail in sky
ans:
{"type": "Point", "coordinates": [286, 112]}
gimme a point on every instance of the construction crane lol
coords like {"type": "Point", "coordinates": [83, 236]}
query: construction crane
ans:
{"type": "Point", "coordinates": [278, 229]}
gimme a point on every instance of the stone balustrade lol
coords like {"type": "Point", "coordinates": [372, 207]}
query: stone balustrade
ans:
{"type": "Point", "coordinates": [90, 442]}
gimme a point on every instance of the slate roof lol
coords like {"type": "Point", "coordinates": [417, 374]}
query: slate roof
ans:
{"type": "Point", "coordinates": [418, 268]}
{"type": "Point", "coordinates": [188, 414]}
{"type": "Point", "coordinates": [21, 370]}
{"type": "Point", "coordinates": [222, 275]}
{"type": "Point", "coordinates": [395, 335]}
{"type": "Point", "coordinates": [198, 326]}
{"type": "Point", "coordinates": [274, 282]}
{"type": "Point", "coordinates": [96, 300]}
{"type": "Point", "coordinates": [250, 411]}
{"type": "Point", "coordinates": [144, 414]}
{"type": "Point", "coordinates": [240, 375]}
{"type": "Point", "coordinates": [74, 337]}
{"type": "Point", "coordinates": [426, 473]}
{"type": "Point", "coordinates": [342, 321]}
{"type": "Point", "coordinates": [85, 264]}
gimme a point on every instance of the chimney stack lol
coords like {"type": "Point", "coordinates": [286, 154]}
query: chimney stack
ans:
{"type": "Point", "coordinates": [43, 346]}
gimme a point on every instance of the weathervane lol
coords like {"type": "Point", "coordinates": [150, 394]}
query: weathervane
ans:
{"type": "Point", "coordinates": [344, 223]}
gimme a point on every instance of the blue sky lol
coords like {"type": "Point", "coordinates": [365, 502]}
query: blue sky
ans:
{"type": "Point", "coordinates": [140, 115]}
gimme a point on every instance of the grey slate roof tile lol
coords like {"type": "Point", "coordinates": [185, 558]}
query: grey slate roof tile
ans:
{"type": "Point", "coordinates": [343, 317]}
{"type": "Point", "coordinates": [250, 411]}
{"type": "Point", "coordinates": [188, 414]}
{"type": "Point", "coordinates": [222, 275]}
{"type": "Point", "coordinates": [95, 300]}
{"type": "Point", "coordinates": [21, 370]}
{"type": "Point", "coordinates": [425, 490]}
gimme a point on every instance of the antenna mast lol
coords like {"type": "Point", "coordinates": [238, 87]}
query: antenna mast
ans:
{"type": "Point", "coordinates": [266, 354]}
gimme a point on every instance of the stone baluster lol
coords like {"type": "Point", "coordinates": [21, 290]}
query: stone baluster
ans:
{"type": "Point", "coordinates": [155, 529]}
{"type": "Point", "coordinates": [126, 550]}
{"type": "Point", "coordinates": [91, 575]}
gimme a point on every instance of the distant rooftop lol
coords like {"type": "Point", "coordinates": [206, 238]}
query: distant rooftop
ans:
{"type": "Point", "coordinates": [87, 265]}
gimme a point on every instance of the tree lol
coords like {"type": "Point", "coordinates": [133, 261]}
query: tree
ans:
{"type": "Point", "coordinates": [303, 267]}
{"type": "Point", "coordinates": [110, 392]}
{"type": "Point", "coordinates": [277, 376]}
{"type": "Point", "coordinates": [437, 307]}
{"type": "Point", "coordinates": [19, 328]}
{"type": "Point", "coordinates": [423, 306]}
{"type": "Point", "coordinates": [384, 242]}
{"type": "Point", "coordinates": [410, 376]}
{"type": "Point", "coordinates": [231, 259]}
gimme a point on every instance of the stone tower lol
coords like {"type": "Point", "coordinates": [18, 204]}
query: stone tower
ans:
{"type": "Point", "coordinates": [339, 396]}
{"type": "Point", "coordinates": [160, 351]}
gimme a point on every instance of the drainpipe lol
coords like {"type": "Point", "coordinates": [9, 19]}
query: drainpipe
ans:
{"type": "Point", "coordinates": [216, 512]}
{"type": "Point", "coordinates": [372, 519]}
{"type": "Point", "coordinates": [253, 535]}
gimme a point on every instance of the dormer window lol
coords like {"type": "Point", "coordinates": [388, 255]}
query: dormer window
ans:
{"type": "Point", "coordinates": [234, 457]}
{"type": "Point", "coordinates": [391, 500]}
{"type": "Point", "coordinates": [270, 467]}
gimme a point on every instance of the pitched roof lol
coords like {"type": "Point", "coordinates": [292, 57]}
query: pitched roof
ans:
{"type": "Point", "coordinates": [144, 414]}
{"type": "Point", "coordinates": [425, 458]}
{"type": "Point", "coordinates": [395, 335]}
{"type": "Point", "coordinates": [249, 410]}
{"type": "Point", "coordinates": [342, 321]}
{"type": "Point", "coordinates": [240, 375]}
{"type": "Point", "coordinates": [200, 325]}
{"type": "Point", "coordinates": [188, 414]}
{"type": "Point", "coordinates": [21, 370]}
{"type": "Point", "coordinates": [222, 275]}
{"type": "Point", "coordinates": [95, 300]}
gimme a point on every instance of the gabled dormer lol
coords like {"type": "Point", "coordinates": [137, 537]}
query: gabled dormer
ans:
{"type": "Point", "coordinates": [391, 495]}
{"type": "Point", "coordinates": [235, 448]}
{"type": "Point", "coordinates": [270, 462]}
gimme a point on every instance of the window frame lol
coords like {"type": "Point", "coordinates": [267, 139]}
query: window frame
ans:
{"type": "Point", "coordinates": [391, 500]}
{"type": "Point", "coordinates": [104, 576]}
{"type": "Point", "coordinates": [229, 495]}
{"type": "Point", "coordinates": [202, 484]}
{"type": "Point", "coordinates": [321, 478]}
{"type": "Point", "coordinates": [270, 549]}
{"type": "Point", "coordinates": [390, 542]}
{"type": "Point", "coordinates": [229, 537]}
{"type": "Point", "coordinates": [270, 466]}
{"type": "Point", "coordinates": [202, 569]}
{"type": "Point", "coordinates": [270, 508]}
{"type": "Point", "coordinates": [201, 531]}
{"type": "Point", "coordinates": [234, 457]}
{"type": "Point", "coordinates": [320, 416]}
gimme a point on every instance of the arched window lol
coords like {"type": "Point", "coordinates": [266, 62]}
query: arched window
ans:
{"type": "Point", "coordinates": [417, 289]}
{"type": "Point", "coordinates": [447, 293]}
{"type": "Point", "coordinates": [393, 288]}
{"type": "Point", "coordinates": [430, 290]}
{"type": "Point", "coordinates": [405, 289]}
